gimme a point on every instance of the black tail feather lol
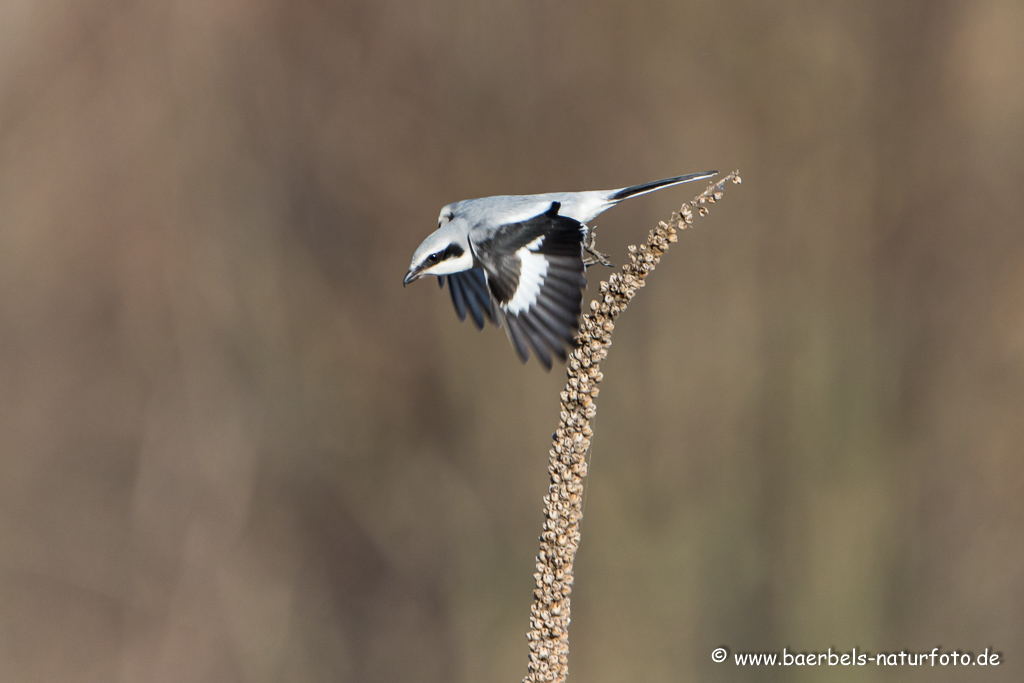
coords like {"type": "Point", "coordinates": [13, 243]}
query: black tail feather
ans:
{"type": "Point", "coordinates": [628, 192]}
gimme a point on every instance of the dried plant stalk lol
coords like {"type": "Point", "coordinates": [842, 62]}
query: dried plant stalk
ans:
{"type": "Point", "coordinates": [563, 506]}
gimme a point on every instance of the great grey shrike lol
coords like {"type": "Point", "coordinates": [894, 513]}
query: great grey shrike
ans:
{"type": "Point", "coordinates": [519, 261]}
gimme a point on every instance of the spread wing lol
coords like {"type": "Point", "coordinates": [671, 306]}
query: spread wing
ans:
{"type": "Point", "coordinates": [534, 270]}
{"type": "Point", "coordinates": [469, 292]}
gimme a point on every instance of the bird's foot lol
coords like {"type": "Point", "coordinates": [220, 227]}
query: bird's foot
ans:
{"type": "Point", "coordinates": [593, 255]}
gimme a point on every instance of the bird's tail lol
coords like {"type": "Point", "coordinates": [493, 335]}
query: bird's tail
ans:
{"type": "Point", "coordinates": [644, 188]}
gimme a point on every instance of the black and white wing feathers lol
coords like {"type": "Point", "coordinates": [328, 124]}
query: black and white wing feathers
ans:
{"type": "Point", "coordinates": [534, 271]}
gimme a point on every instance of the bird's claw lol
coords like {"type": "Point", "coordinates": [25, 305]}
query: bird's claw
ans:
{"type": "Point", "coordinates": [593, 255]}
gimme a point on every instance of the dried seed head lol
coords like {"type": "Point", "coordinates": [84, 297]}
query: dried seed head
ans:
{"type": "Point", "coordinates": [567, 466]}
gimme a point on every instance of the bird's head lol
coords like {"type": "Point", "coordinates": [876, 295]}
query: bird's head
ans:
{"type": "Point", "coordinates": [445, 251]}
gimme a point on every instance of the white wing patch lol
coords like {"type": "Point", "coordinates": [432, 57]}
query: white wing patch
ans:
{"type": "Point", "coordinates": [533, 268]}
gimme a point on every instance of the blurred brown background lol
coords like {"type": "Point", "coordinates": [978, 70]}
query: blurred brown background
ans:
{"type": "Point", "coordinates": [234, 448]}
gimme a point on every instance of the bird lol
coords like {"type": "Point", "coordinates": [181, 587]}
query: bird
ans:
{"type": "Point", "coordinates": [519, 261]}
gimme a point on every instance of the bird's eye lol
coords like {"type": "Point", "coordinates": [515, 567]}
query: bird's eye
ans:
{"type": "Point", "coordinates": [434, 258]}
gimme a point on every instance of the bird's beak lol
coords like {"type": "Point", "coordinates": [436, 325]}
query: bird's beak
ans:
{"type": "Point", "coordinates": [413, 274]}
